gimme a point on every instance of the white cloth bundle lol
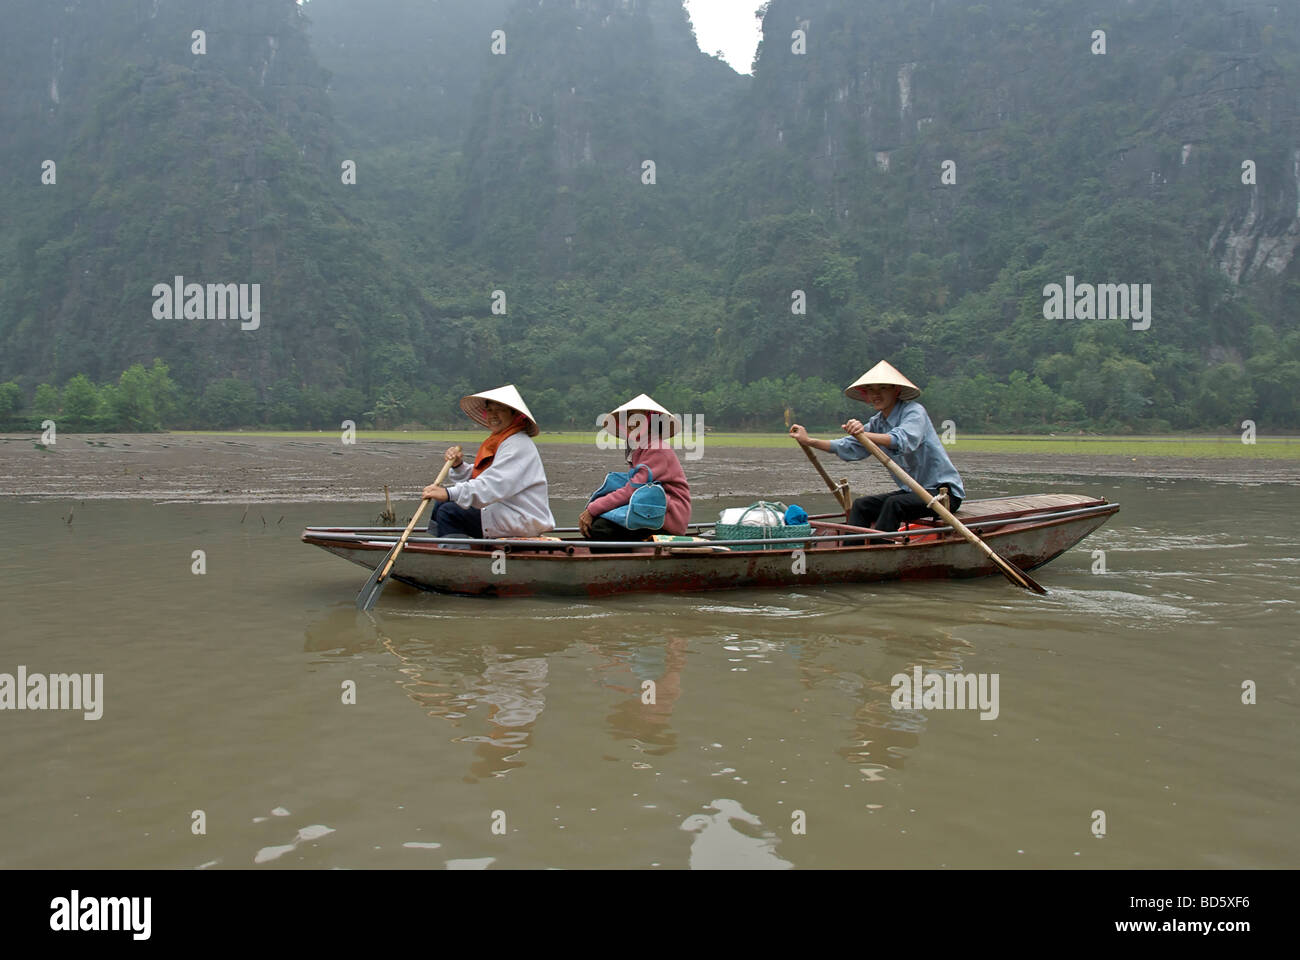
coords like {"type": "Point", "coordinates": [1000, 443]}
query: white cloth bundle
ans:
{"type": "Point", "coordinates": [756, 517]}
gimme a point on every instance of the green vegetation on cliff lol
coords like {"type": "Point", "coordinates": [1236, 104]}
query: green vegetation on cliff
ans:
{"type": "Point", "coordinates": [920, 175]}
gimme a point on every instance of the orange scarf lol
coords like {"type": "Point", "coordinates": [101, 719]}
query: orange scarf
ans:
{"type": "Point", "coordinates": [487, 450]}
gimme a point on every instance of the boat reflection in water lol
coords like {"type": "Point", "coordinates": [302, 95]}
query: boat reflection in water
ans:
{"type": "Point", "coordinates": [496, 690]}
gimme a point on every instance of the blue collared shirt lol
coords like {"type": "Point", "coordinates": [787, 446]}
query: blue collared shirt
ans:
{"type": "Point", "coordinates": [914, 446]}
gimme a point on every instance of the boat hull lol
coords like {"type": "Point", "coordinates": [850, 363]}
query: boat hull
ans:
{"type": "Point", "coordinates": [522, 569]}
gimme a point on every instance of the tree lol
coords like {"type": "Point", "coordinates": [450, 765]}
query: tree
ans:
{"type": "Point", "coordinates": [80, 400]}
{"type": "Point", "coordinates": [313, 408]}
{"type": "Point", "coordinates": [229, 403]}
{"type": "Point", "coordinates": [388, 408]}
{"type": "Point", "coordinates": [163, 392]}
{"type": "Point", "coordinates": [283, 404]}
{"type": "Point", "coordinates": [345, 403]}
{"type": "Point", "coordinates": [1225, 396]}
{"type": "Point", "coordinates": [45, 405]}
{"type": "Point", "coordinates": [134, 408]}
{"type": "Point", "coordinates": [106, 415]}
{"type": "Point", "coordinates": [11, 398]}
{"type": "Point", "coordinates": [1128, 385]}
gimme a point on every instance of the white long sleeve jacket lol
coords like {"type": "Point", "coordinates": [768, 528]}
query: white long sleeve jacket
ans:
{"type": "Point", "coordinates": [512, 492]}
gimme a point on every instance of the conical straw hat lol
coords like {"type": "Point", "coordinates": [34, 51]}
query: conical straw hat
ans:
{"type": "Point", "coordinates": [644, 403]}
{"type": "Point", "coordinates": [475, 406]}
{"type": "Point", "coordinates": [883, 372]}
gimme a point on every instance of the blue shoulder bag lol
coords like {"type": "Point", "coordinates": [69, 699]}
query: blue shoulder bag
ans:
{"type": "Point", "coordinates": [646, 509]}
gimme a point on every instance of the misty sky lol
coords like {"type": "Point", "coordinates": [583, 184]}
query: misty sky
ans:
{"type": "Point", "coordinates": [726, 25]}
{"type": "Point", "coordinates": [729, 26]}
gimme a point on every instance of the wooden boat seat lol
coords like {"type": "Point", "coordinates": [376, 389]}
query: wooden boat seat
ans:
{"type": "Point", "coordinates": [823, 528]}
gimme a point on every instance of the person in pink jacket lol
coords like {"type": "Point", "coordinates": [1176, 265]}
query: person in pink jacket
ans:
{"type": "Point", "coordinates": [646, 428]}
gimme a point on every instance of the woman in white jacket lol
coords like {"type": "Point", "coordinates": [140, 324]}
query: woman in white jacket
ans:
{"type": "Point", "coordinates": [503, 492]}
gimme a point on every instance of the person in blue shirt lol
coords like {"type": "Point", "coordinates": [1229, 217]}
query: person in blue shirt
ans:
{"type": "Point", "coordinates": [902, 429]}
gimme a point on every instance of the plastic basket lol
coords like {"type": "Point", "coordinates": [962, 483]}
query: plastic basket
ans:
{"type": "Point", "coordinates": [738, 531]}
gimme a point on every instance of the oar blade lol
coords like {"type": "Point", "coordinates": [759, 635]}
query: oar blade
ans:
{"type": "Point", "coordinates": [1034, 585]}
{"type": "Point", "coordinates": [382, 573]}
{"type": "Point", "coordinates": [369, 594]}
{"type": "Point", "coordinates": [1018, 576]}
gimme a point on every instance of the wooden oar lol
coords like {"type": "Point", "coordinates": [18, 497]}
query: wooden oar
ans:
{"type": "Point", "coordinates": [1009, 569]}
{"type": "Point", "coordinates": [369, 594]}
{"type": "Point", "coordinates": [836, 488]}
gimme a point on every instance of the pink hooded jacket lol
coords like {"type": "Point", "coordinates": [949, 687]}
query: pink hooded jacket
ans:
{"type": "Point", "coordinates": [667, 469]}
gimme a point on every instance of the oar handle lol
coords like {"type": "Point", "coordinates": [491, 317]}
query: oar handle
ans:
{"type": "Point", "coordinates": [442, 474]}
{"type": "Point", "coordinates": [392, 557]}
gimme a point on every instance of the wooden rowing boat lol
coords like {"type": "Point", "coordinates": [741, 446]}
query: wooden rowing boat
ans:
{"type": "Point", "coordinates": [1029, 531]}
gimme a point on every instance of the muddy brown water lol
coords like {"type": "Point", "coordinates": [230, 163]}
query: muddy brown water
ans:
{"type": "Point", "coordinates": [513, 733]}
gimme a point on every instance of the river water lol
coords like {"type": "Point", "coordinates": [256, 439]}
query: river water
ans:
{"type": "Point", "coordinates": [512, 733]}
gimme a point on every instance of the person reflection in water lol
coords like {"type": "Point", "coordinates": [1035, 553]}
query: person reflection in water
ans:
{"type": "Point", "coordinates": [512, 690]}
{"type": "Point", "coordinates": [502, 695]}
{"type": "Point", "coordinates": [634, 717]}
{"type": "Point", "coordinates": [458, 686]}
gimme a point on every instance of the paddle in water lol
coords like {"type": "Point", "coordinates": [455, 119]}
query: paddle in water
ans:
{"type": "Point", "coordinates": [1009, 569]}
{"type": "Point", "coordinates": [369, 594]}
